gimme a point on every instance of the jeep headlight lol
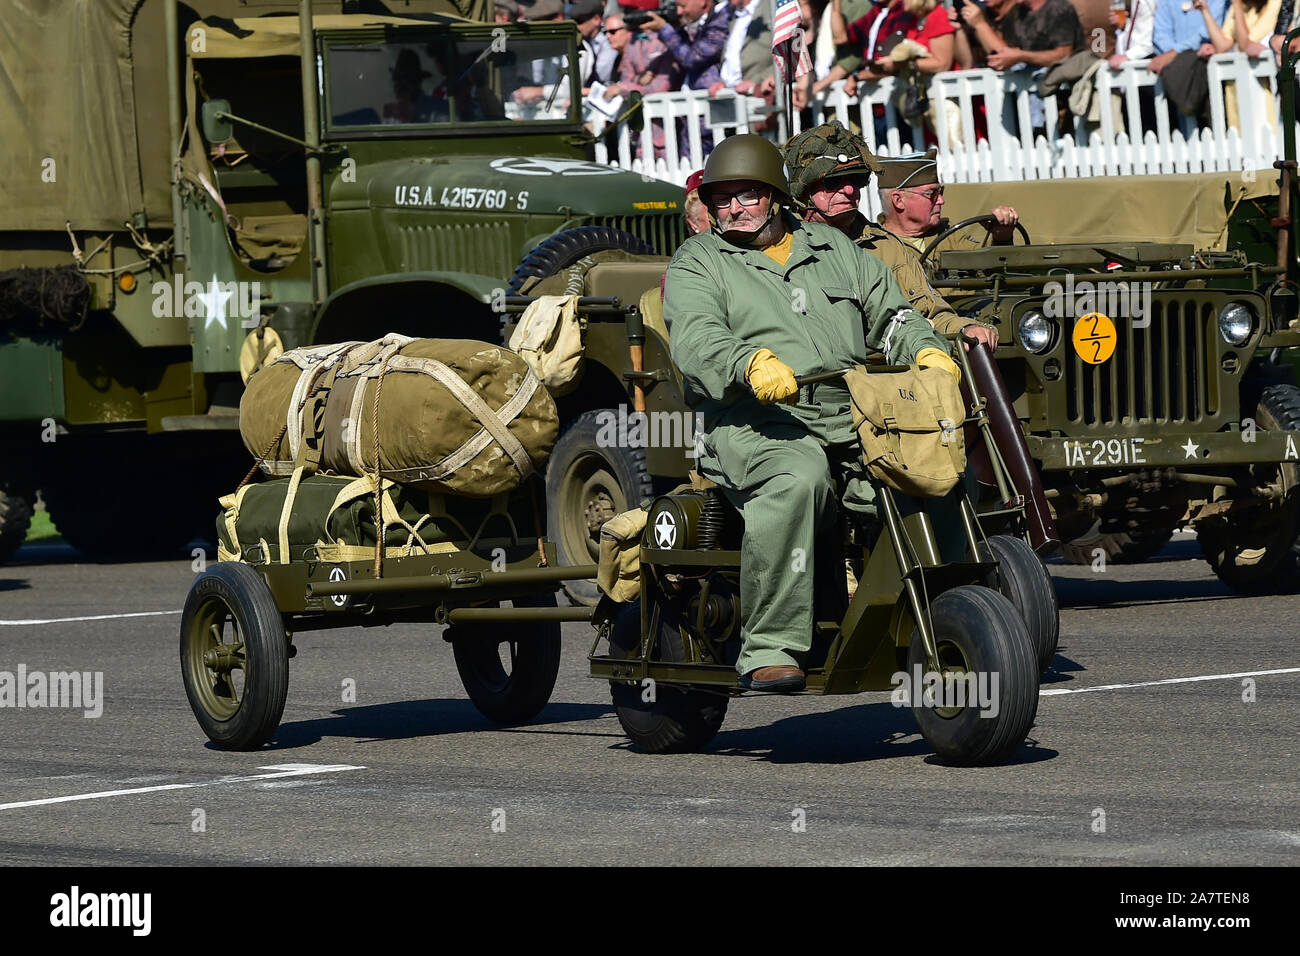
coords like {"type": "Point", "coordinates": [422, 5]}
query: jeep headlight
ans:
{"type": "Point", "coordinates": [1236, 323]}
{"type": "Point", "coordinates": [1036, 332]}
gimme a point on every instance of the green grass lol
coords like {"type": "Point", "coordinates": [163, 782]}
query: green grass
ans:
{"type": "Point", "coordinates": [42, 527]}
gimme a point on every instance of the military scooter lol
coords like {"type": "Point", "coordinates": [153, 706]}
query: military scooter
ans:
{"type": "Point", "coordinates": [962, 619]}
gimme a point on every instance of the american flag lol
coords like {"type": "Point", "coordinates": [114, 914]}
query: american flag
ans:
{"type": "Point", "coordinates": [788, 40]}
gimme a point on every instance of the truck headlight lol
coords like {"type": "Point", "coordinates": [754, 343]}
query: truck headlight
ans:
{"type": "Point", "coordinates": [1236, 323]}
{"type": "Point", "coordinates": [1036, 332]}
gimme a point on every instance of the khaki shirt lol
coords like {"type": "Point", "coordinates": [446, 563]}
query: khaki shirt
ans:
{"type": "Point", "coordinates": [901, 257]}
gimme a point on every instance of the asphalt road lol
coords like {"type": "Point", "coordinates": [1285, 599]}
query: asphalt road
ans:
{"type": "Point", "coordinates": [1179, 773]}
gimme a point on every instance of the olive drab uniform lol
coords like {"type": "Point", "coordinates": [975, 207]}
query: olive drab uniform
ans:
{"type": "Point", "coordinates": [824, 310]}
{"type": "Point", "coordinates": [910, 276]}
{"type": "Point", "coordinates": [913, 246]}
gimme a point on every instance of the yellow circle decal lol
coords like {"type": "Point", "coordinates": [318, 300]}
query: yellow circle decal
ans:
{"type": "Point", "coordinates": [1094, 338]}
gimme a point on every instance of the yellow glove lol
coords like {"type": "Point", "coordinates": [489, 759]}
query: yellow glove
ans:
{"type": "Point", "coordinates": [770, 378]}
{"type": "Point", "coordinates": [934, 358]}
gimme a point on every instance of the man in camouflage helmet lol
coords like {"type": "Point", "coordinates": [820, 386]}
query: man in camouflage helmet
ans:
{"type": "Point", "coordinates": [829, 168]}
{"type": "Point", "coordinates": [758, 299]}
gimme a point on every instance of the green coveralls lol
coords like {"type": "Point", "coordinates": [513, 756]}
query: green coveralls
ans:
{"type": "Point", "coordinates": [722, 304]}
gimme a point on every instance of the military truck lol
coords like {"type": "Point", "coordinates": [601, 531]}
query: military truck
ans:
{"type": "Point", "coordinates": [190, 188]}
{"type": "Point", "coordinates": [1155, 384]}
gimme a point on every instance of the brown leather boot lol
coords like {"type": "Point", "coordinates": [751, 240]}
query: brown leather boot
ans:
{"type": "Point", "coordinates": [781, 679]}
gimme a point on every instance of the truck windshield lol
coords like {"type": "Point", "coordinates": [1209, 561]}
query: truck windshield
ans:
{"type": "Point", "coordinates": [450, 80]}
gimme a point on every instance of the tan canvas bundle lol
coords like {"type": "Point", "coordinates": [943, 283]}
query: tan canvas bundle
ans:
{"type": "Point", "coordinates": [619, 571]}
{"type": "Point", "coordinates": [909, 424]}
{"type": "Point", "coordinates": [549, 338]}
{"type": "Point", "coordinates": [454, 415]}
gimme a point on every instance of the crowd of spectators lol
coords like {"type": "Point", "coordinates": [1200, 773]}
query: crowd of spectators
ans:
{"type": "Point", "coordinates": [718, 45]}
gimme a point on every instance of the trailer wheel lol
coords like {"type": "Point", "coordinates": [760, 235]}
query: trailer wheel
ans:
{"type": "Point", "coordinates": [234, 656]}
{"type": "Point", "coordinates": [661, 718]}
{"type": "Point", "coordinates": [1258, 553]}
{"type": "Point", "coordinates": [1024, 581]}
{"type": "Point", "coordinates": [587, 483]}
{"type": "Point", "coordinates": [509, 670]}
{"type": "Point", "coordinates": [980, 633]}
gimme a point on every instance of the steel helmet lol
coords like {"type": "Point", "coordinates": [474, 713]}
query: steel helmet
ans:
{"type": "Point", "coordinates": [746, 156]}
{"type": "Point", "coordinates": [828, 151]}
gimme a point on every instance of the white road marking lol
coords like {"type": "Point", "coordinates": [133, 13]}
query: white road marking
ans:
{"type": "Point", "coordinates": [1171, 680]}
{"type": "Point", "coordinates": [96, 617]}
{"type": "Point", "coordinates": [281, 770]}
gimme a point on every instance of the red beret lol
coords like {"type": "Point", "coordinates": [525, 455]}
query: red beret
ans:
{"type": "Point", "coordinates": [693, 181]}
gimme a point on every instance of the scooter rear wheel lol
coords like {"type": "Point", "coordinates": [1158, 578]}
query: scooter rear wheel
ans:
{"type": "Point", "coordinates": [662, 718]}
{"type": "Point", "coordinates": [1023, 579]}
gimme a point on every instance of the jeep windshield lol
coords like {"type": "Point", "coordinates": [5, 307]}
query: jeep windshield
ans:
{"type": "Point", "coordinates": [449, 81]}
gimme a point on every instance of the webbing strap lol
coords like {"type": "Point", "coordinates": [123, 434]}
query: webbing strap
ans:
{"type": "Point", "coordinates": [494, 422]}
{"type": "Point", "coordinates": [286, 511]}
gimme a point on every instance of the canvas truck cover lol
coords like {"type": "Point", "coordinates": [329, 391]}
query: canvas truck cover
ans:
{"type": "Point", "coordinates": [83, 102]}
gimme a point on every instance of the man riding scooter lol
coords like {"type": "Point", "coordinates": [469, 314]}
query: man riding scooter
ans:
{"type": "Point", "coordinates": [760, 298]}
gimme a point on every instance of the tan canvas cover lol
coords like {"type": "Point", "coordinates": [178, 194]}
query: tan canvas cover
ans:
{"type": "Point", "coordinates": [66, 96]}
{"type": "Point", "coordinates": [910, 427]}
{"type": "Point", "coordinates": [549, 338]}
{"type": "Point", "coordinates": [455, 415]}
{"type": "Point", "coordinates": [618, 572]}
{"type": "Point", "coordinates": [1188, 208]}
{"type": "Point", "coordinates": [83, 83]}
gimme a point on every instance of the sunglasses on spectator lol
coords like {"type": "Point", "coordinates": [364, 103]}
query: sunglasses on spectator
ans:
{"type": "Point", "coordinates": [930, 194]}
{"type": "Point", "coordinates": [615, 30]}
{"type": "Point", "coordinates": [749, 197]}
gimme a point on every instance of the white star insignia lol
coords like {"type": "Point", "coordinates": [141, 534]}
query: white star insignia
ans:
{"type": "Point", "coordinates": [1190, 448]}
{"type": "Point", "coordinates": [214, 303]}
{"type": "Point", "coordinates": [665, 530]}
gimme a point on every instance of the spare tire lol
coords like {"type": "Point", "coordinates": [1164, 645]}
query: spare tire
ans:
{"type": "Point", "coordinates": [565, 248]}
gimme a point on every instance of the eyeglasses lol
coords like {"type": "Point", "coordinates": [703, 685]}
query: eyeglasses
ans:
{"type": "Point", "coordinates": [616, 30]}
{"type": "Point", "coordinates": [930, 195]}
{"type": "Point", "coordinates": [748, 197]}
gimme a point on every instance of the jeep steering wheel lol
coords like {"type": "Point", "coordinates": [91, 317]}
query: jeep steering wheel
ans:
{"type": "Point", "coordinates": [958, 227]}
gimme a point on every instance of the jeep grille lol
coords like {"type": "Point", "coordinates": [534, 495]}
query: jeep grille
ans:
{"type": "Point", "coordinates": [1159, 374]}
{"type": "Point", "coordinates": [663, 233]}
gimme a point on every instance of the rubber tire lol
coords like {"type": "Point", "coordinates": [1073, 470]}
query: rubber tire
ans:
{"type": "Point", "coordinates": [517, 697]}
{"type": "Point", "coordinates": [565, 248]}
{"type": "Point", "coordinates": [247, 597]}
{"type": "Point", "coordinates": [16, 509]}
{"type": "Point", "coordinates": [679, 719]}
{"type": "Point", "coordinates": [1023, 579]}
{"type": "Point", "coordinates": [635, 484]}
{"type": "Point", "coordinates": [1278, 569]}
{"type": "Point", "coordinates": [992, 637]}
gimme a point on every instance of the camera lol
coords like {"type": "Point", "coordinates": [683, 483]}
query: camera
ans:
{"type": "Point", "coordinates": [667, 11]}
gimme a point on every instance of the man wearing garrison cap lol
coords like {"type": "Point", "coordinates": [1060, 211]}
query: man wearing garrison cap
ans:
{"type": "Point", "coordinates": [912, 199]}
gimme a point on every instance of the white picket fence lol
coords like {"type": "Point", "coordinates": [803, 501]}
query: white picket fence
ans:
{"type": "Point", "coordinates": [1010, 152]}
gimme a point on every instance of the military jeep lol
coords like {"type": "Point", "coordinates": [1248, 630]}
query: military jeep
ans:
{"type": "Point", "coordinates": [1151, 382]}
